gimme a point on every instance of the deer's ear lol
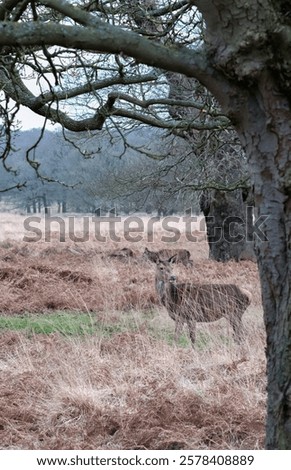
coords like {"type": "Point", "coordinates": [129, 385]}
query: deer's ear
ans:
{"type": "Point", "coordinates": [173, 259]}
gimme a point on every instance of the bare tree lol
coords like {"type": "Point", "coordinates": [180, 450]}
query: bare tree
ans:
{"type": "Point", "coordinates": [243, 60]}
{"type": "Point", "coordinates": [223, 174]}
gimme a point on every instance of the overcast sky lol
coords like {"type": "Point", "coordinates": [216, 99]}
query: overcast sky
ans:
{"type": "Point", "coordinates": [31, 120]}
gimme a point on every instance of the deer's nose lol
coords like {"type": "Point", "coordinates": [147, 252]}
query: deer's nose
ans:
{"type": "Point", "coordinates": [172, 278]}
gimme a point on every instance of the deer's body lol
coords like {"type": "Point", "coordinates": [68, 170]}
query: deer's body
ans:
{"type": "Point", "coordinates": [181, 255]}
{"type": "Point", "coordinates": [191, 303]}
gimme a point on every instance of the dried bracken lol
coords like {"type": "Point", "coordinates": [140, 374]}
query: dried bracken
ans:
{"type": "Point", "coordinates": [128, 392]}
{"type": "Point", "coordinates": [36, 277]}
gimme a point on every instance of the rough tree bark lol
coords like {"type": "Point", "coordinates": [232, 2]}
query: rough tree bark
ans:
{"type": "Point", "coordinates": [259, 106]}
{"type": "Point", "coordinates": [267, 139]}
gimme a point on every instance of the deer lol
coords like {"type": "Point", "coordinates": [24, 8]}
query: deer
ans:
{"type": "Point", "coordinates": [178, 256]}
{"type": "Point", "coordinates": [122, 253]}
{"type": "Point", "coordinates": [193, 302]}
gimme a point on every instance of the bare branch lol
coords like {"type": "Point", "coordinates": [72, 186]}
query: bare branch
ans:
{"type": "Point", "coordinates": [169, 102]}
{"type": "Point", "coordinates": [16, 186]}
{"type": "Point", "coordinates": [92, 86]}
{"type": "Point", "coordinates": [107, 38]}
{"type": "Point", "coordinates": [171, 124]}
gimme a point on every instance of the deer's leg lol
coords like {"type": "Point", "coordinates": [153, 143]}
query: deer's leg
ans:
{"type": "Point", "coordinates": [237, 325]}
{"type": "Point", "coordinates": [178, 328]}
{"type": "Point", "coordinates": [192, 330]}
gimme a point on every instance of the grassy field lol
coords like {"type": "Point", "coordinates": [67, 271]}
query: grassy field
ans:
{"type": "Point", "coordinates": [88, 361]}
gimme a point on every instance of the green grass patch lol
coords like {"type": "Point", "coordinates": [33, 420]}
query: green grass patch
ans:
{"type": "Point", "coordinates": [70, 323]}
{"type": "Point", "coordinates": [66, 323]}
{"type": "Point", "coordinates": [6, 244]}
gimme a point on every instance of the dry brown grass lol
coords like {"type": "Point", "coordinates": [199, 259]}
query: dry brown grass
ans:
{"type": "Point", "coordinates": [132, 390]}
{"type": "Point", "coordinates": [127, 392]}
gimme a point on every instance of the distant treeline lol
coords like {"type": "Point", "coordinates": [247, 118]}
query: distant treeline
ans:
{"type": "Point", "coordinates": [95, 173]}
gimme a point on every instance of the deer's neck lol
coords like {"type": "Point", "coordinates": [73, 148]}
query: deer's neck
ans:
{"type": "Point", "coordinates": [160, 287]}
{"type": "Point", "coordinates": [167, 292]}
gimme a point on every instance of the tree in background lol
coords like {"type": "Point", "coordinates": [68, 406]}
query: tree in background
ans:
{"type": "Point", "coordinates": [223, 173]}
{"type": "Point", "coordinates": [242, 59]}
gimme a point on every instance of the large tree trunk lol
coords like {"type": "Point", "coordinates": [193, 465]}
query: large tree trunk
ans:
{"type": "Point", "coordinates": [266, 132]}
{"type": "Point", "coordinates": [228, 223]}
{"type": "Point", "coordinates": [248, 59]}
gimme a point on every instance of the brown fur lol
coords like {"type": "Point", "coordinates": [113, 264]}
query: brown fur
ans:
{"type": "Point", "coordinates": [191, 303]}
{"type": "Point", "coordinates": [122, 253]}
{"type": "Point", "coordinates": [181, 255]}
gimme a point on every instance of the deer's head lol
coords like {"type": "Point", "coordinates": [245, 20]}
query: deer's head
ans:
{"type": "Point", "coordinates": [164, 271]}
